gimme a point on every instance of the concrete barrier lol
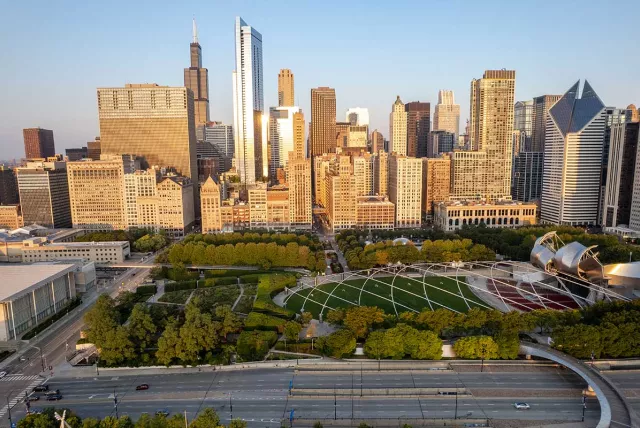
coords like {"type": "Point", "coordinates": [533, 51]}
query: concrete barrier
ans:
{"type": "Point", "coordinates": [414, 422]}
{"type": "Point", "coordinates": [407, 392]}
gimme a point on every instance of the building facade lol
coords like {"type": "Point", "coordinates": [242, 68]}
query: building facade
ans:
{"type": "Point", "coordinates": [94, 148]}
{"type": "Point", "coordinates": [436, 182]}
{"type": "Point", "coordinates": [418, 128]}
{"type": "Point", "coordinates": [210, 202]}
{"type": "Point", "coordinates": [44, 194]}
{"type": "Point", "coordinates": [299, 182]}
{"type": "Point", "coordinates": [286, 94]}
{"type": "Point", "coordinates": [101, 253]}
{"type": "Point", "coordinates": [358, 116]}
{"type": "Point", "coordinates": [281, 137]}
{"type": "Point", "coordinates": [96, 194]}
{"type": "Point", "coordinates": [398, 128]}
{"type": "Point", "coordinates": [440, 142]}
{"type": "Point", "coordinates": [176, 215]}
{"type": "Point", "coordinates": [451, 216]}
{"type": "Point", "coordinates": [8, 186]}
{"type": "Point", "coordinates": [38, 143]}
{"type": "Point", "coordinates": [446, 115]}
{"type": "Point", "coordinates": [541, 106]}
{"type": "Point", "coordinates": [618, 196]}
{"type": "Point", "coordinates": [381, 173]}
{"type": "Point", "coordinates": [573, 158]}
{"type": "Point", "coordinates": [375, 212]}
{"type": "Point", "coordinates": [76, 154]}
{"type": "Point", "coordinates": [323, 121]}
{"type": "Point", "coordinates": [405, 190]}
{"type": "Point", "coordinates": [150, 121]}
{"type": "Point", "coordinates": [377, 141]}
{"type": "Point", "coordinates": [527, 176]}
{"type": "Point", "coordinates": [196, 78]}
{"type": "Point", "coordinates": [10, 217]}
{"type": "Point", "coordinates": [340, 195]}
{"type": "Point", "coordinates": [523, 122]}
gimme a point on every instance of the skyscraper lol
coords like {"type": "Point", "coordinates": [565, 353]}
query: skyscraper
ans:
{"type": "Point", "coordinates": [440, 142]}
{"type": "Point", "coordinates": [248, 103]}
{"type": "Point", "coordinates": [405, 189]}
{"type": "Point", "coordinates": [44, 194]}
{"type": "Point", "coordinates": [285, 88]}
{"type": "Point", "coordinates": [377, 141]}
{"type": "Point", "coordinates": [94, 149]}
{"type": "Point", "coordinates": [523, 122]}
{"type": "Point", "coordinates": [485, 172]}
{"type": "Point", "coordinates": [398, 128]}
{"type": "Point", "coordinates": [281, 137]}
{"type": "Point", "coordinates": [299, 179]}
{"type": "Point", "coordinates": [541, 106]}
{"type": "Point", "coordinates": [8, 186]}
{"type": "Point", "coordinates": [418, 127]}
{"type": "Point", "coordinates": [633, 113]}
{"type": "Point", "coordinates": [323, 121]}
{"type": "Point", "coordinates": [446, 116]}
{"type": "Point", "coordinates": [381, 173]}
{"type": "Point", "coordinates": [436, 182]}
{"type": "Point", "coordinates": [196, 78]}
{"type": "Point", "coordinates": [620, 174]}
{"type": "Point", "coordinates": [573, 158]}
{"type": "Point", "coordinates": [151, 121]}
{"type": "Point", "coordinates": [358, 116]}
{"type": "Point", "coordinates": [527, 176]}
{"type": "Point", "coordinates": [210, 206]}
{"type": "Point", "coordinates": [38, 143]}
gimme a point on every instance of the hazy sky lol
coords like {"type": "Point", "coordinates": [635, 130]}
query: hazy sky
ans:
{"type": "Point", "coordinates": [54, 54]}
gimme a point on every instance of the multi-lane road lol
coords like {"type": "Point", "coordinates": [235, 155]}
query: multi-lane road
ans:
{"type": "Point", "coordinates": [262, 397]}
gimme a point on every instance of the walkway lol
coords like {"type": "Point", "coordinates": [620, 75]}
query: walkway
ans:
{"type": "Point", "coordinates": [233, 308]}
{"type": "Point", "coordinates": [615, 411]}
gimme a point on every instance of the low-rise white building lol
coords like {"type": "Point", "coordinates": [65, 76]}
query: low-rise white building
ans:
{"type": "Point", "coordinates": [452, 215]}
{"type": "Point", "coordinates": [31, 293]}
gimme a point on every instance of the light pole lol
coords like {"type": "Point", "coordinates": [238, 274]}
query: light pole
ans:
{"type": "Point", "coordinates": [456, 412]}
{"type": "Point", "coordinates": [9, 409]}
{"type": "Point", "coordinates": [115, 402]}
{"type": "Point", "coordinates": [584, 404]}
{"type": "Point", "coordinates": [484, 350]}
{"type": "Point", "coordinates": [231, 405]}
{"type": "Point", "coordinates": [97, 364]}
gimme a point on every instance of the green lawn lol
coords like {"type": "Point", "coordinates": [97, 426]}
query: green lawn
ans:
{"type": "Point", "coordinates": [408, 294]}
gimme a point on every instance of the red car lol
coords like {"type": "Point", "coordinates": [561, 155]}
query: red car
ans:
{"type": "Point", "coordinates": [142, 387]}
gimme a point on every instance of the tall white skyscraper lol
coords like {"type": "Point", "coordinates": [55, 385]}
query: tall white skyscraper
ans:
{"type": "Point", "coordinates": [446, 116]}
{"type": "Point", "coordinates": [281, 136]}
{"type": "Point", "coordinates": [248, 103]}
{"type": "Point", "coordinates": [573, 158]}
{"type": "Point", "coordinates": [358, 116]}
{"type": "Point", "coordinates": [398, 128]}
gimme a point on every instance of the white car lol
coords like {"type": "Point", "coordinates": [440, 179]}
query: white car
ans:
{"type": "Point", "coordinates": [2, 374]}
{"type": "Point", "coordinates": [521, 406]}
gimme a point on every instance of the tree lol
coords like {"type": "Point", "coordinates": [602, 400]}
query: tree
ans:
{"type": "Point", "coordinates": [90, 423]}
{"type": "Point", "coordinates": [375, 346]}
{"type": "Point", "coordinates": [359, 319]}
{"type": "Point", "coordinates": [198, 333]}
{"type": "Point", "coordinates": [101, 319]}
{"type": "Point", "coordinates": [317, 424]}
{"type": "Point", "coordinates": [292, 330]}
{"type": "Point", "coordinates": [579, 341]}
{"type": "Point", "coordinates": [476, 347]}
{"type": "Point", "coordinates": [141, 326]}
{"type": "Point", "coordinates": [206, 419]}
{"type": "Point", "coordinates": [338, 343]}
{"type": "Point", "coordinates": [169, 343]}
{"type": "Point", "coordinates": [37, 421]}
{"type": "Point", "coordinates": [254, 345]}
{"type": "Point", "coordinates": [424, 345]}
{"type": "Point", "coordinates": [437, 320]}
{"type": "Point", "coordinates": [306, 317]}
{"type": "Point", "coordinates": [229, 321]}
{"type": "Point", "coordinates": [112, 422]}
{"type": "Point", "coordinates": [508, 345]}
{"type": "Point", "coordinates": [335, 316]}
{"type": "Point", "coordinates": [117, 347]}
{"type": "Point", "coordinates": [238, 423]}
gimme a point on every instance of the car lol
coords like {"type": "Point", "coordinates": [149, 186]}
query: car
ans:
{"type": "Point", "coordinates": [41, 388]}
{"type": "Point", "coordinates": [2, 374]}
{"type": "Point", "coordinates": [31, 398]}
{"type": "Point", "coordinates": [162, 412]}
{"type": "Point", "coordinates": [56, 392]}
{"type": "Point", "coordinates": [142, 387]}
{"type": "Point", "coordinates": [53, 397]}
{"type": "Point", "coordinates": [521, 406]}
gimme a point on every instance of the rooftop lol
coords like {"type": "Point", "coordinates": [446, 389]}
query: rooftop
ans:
{"type": "Point", "coordinates": [19, 279]}
{"type": "Point", "coordinates": [505, 202]}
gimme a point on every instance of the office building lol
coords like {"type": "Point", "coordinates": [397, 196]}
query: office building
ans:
{"type": "Point", "coordinates": [363, 168]}
{"type": "Point", "coordinates": [440, 142]}
{"type": "Point", "coordinates": [540, 113]}
{"type": "Point", "coordinates": [281, 137]}
{"type": "Point", "coordinates": [613, 116]}
{"type": "Point", "coordinates": [485, 171]}
{"type": "Point", "coordinates": [446, 115]}
{"type": "Point", "coordinates": [44, 194]}
{"type": "Point", "coordinates": [286, 88]}
{"type": "Point", "coordinates": [139, 184]}
{"type": "Point", "coordinates": [436, 182]}
{"type": "Point", "coordinates": [76, 154]}
{"type": "Point", "coordinates": [374, 212]}
{"type": "Point", "coordinates": [527, 176]}
{"type": "Point", "coordinates": [101, 253]}
{"type": "Point", "coordinates": [299, 180]}
{"type": "Point", "coordinates": [523, 122]}
{"type": "Point", "coordinates": [377, 141]}
{"type": "Point", "coordinates": [398, 128]}
{"type": "Point", "coordinates": [221, 136]}
{"type": "Point", "coordinates": [418, 128]}
{"type": "Point", "coordinates": [321, 166]}
{"type": "Point", "coordinates": [196, 78]}
{"type": "Point", "coordinates": [150, 121]}
{"type": "Point", "coordinates": [620, 174]}
{"type": "Point", "coordinates": [8, 186]}
{"type": "Point", "coordinates": [38, 143]}
{"type": "Point", "coordinates": [323, 121]}
{"type": "Point", "coordinates": [10, 217]}
{"type": "Point", "coordinates": [96, 194]}
{"type": "Point", "coordinates": [405, 189]}
{"type": "Point", "coordinates": [342, 135]}
{"type": "Point", "coordinates": [381, 173]}
{"type": "Point", "coordinates": [176, 214]}
{"type": "Point", "coordinates": [31, 294]}
{"type": "Point", "coordinates": [210, 201]}
{"type": "Point", "coordinates": [248, 104]}
{"type": "Point", "coordinates": [358, 136]}
{"type": "Point", "coordinates": [94, 149]}
{"type": "Point", "coordinates": [573, 158]}
{"type": "Point", "coordinates": [633, 114]}
{"type": "Point", "coordinates": [358, 116]}
{"type": "Point", "coordinates": [340, 187]}
{"type": "Point", "coordinates": [453, 215]}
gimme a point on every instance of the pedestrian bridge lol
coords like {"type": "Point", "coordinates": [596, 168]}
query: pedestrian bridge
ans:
{"type": "Point", "coordinates": [615, 411]}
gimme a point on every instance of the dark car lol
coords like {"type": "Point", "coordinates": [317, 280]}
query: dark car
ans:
{"type": "Point", "coordinates": [56, 392]}
{"type": "Point", "coordinates": [53, 397]}
{"type": "Point", "coordinates": [31, 398]}
{"type": "Point", "coordinates": [162, 412]}
{"type": "Point", "coordinates": [41, 388]}
{"type": "Point", "coordinates": [142, 387]}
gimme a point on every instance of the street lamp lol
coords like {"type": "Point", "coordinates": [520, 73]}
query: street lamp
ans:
{"type": "Point", "coordinates": [484, 350]}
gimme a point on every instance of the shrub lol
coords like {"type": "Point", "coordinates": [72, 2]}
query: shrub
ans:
{"type": "Point", "coordinates": [260, 321]}
{"type": "Point", "coordinates": [254, 345]}
{"type": "Point", "coordinates": [147, 290]}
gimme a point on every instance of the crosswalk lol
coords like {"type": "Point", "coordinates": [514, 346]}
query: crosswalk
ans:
{"type": "Point", "coordinates": [11, 378]}
{"type": "Point", "coordinates": [20, 396]}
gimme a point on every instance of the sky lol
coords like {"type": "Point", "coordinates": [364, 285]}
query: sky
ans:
{"type": "Point", "coordinates": [53, 55]}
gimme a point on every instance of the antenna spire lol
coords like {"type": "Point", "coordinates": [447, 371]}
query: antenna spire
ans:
{"type": "Point", "coordinates": [195, 31]}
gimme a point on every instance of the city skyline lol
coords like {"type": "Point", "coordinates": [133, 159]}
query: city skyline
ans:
{"type": "Point", "coordinates": [160, 56]}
